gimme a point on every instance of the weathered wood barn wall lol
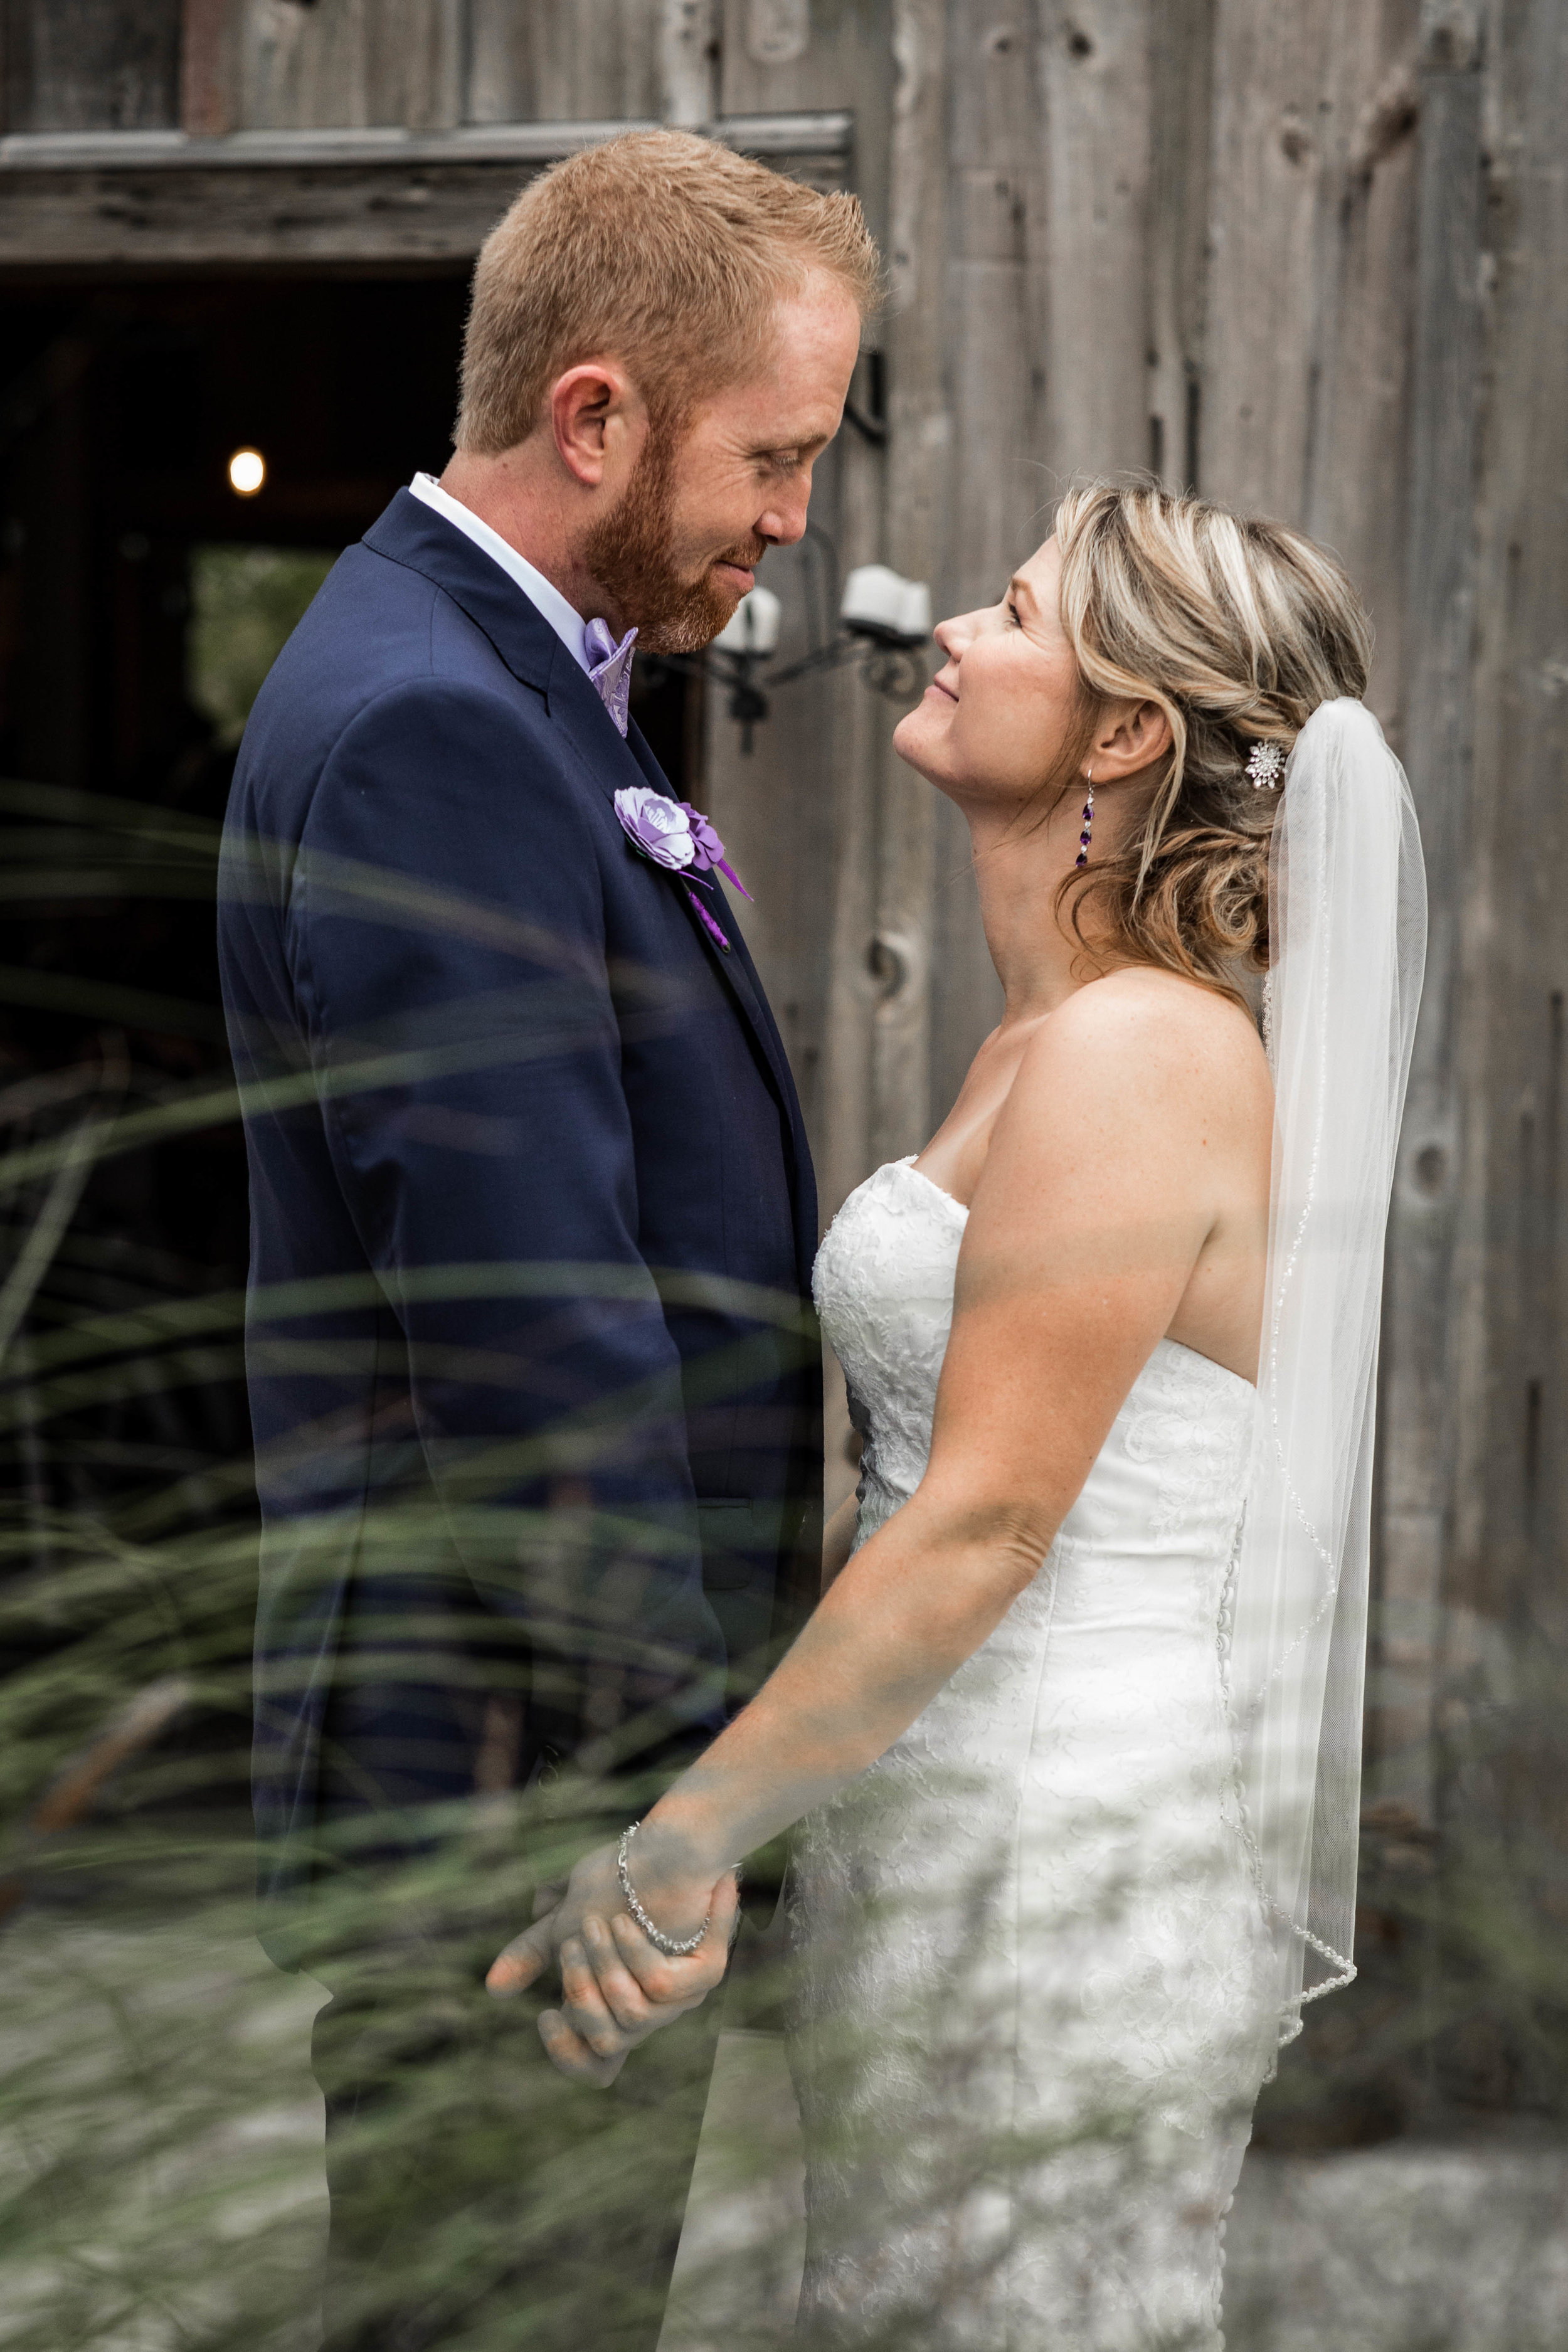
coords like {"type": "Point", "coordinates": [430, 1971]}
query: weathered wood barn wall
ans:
{"type": "Point", "coordinates": [1311, 258]}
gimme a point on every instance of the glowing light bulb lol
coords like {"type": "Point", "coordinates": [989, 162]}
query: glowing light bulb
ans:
{"type": "Point", "coordinates": [246, 472]}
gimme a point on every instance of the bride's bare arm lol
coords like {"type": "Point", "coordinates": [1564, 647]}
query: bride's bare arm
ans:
{"type": "Point", "coordinates": [1131, 1134]}
{"type": "Point", "coordinates": [838, 1538]}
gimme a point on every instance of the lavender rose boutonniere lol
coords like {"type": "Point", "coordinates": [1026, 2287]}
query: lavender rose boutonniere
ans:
{"type": "Point", "coordinates": [674, 834]}
{"type": "Point", "coordinates": [661, 829]}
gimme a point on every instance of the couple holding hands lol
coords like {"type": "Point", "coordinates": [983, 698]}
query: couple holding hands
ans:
{"type": "Point", "coordinates": [1062, 1713]}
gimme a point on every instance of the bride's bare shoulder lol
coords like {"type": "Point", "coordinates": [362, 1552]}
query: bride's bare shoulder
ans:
{"type": "Point", "coordinates": [1141, 1000]}
{"type": "Point", "coordinates": [1151, 1034]}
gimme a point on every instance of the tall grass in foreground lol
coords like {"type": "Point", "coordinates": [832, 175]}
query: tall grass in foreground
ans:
{"type": "Point", "coordinates": [158, 2172]}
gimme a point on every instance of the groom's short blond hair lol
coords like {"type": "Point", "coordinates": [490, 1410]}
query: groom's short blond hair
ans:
{"type": "Point", "coordinates": [659, 248]}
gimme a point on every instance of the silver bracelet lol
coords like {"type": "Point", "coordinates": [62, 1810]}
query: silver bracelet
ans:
{"type": "Point", "coordinates": [673, 1948]}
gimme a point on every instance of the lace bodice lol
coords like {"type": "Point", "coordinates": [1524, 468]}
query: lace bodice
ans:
{"type": "Point", "coordinates": [883, 1284]}
{"type": "Point", "coordinates": [1036, 1912]}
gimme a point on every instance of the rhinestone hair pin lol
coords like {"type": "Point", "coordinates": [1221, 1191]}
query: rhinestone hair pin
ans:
{"type": "Point", "coordinates": [1267, 767]}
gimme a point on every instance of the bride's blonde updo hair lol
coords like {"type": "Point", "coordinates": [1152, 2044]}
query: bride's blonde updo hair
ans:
{"type": "Point", "coordinates": [1238, 628]}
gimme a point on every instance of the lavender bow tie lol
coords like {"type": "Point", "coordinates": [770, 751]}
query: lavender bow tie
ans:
{"type": "Point", "coordinates": [611, 669]}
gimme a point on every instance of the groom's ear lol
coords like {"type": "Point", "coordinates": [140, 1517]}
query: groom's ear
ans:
{"type": "Point", "coordinates": [597, 419]}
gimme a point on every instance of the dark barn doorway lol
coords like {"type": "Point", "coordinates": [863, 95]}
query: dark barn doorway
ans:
{"type": "Point", "coordinates": [143, 600]}
{"type": "Point", "coordinates": [127, 404]}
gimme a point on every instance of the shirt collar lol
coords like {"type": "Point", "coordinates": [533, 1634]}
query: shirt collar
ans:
{"type": "Point", "coordinates": [546, 599]}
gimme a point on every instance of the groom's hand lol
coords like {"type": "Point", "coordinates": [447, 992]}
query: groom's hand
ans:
{"type": "Point", "coordinates": [607, 2009]}
{"type": "Point", "coordinates": [617, 1988]}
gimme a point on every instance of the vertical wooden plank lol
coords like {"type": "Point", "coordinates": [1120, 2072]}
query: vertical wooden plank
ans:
{"type": "Point", "coordinates": [1311, 284]}
{"type": "Point", "coordinates": [413, 63]}
{"type": "Point", "coordinates": [1180, 76]}
{"type": "Point", "coordinates": [919, 444]}
{"type": "Point", "coordinates": [689, 58]}
{"type": "Point", "coordinates": [352, 62]}
{"type": "Point", "coordinates": [994, 182]}
{"type": "Point", "coordinates": [208, 68]}
{"type": "Point", "coordinates": [1270, 106]}
{"type": "Point", "coordinates": [846, 1155]}
{"type": "Point", "coordinates": [303, 67]}
{"type": "Point", "coordinates": [996, 494]}
{"type": "Point", "coordinates": [500, 71]}
{"type": "Point", "coordinates": [1095, 75]}
{"type": "Point", "coordinates": [966, 996]}
{"type": "Point", "coordinates": [79, 64]}
{"type": "Point", "coordinates": [1503, 1586]}
{"type": "Point", "coordinates": [1426, 1454]}
{"type": "Point", "coordinates": [1355, 478]}
{"type": "Point", "coordinates": [565, 60]}
{"type": "Point", "coordinates": [785, 56]}
{"type": "Point", "coordinates": [843, 1144]}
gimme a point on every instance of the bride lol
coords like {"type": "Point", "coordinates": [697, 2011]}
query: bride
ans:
{"type": "Point", "coordinates": [1073, 1738]}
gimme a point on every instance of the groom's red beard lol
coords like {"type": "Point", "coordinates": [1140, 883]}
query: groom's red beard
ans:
{"type": "Point", "coordinates": [630, 553]}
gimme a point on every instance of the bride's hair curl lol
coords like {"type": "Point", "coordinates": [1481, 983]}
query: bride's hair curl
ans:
{"type": "Point", "coordinates": [1238, 628]}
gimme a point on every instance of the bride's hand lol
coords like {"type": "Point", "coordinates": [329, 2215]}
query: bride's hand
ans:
{"type": "Point", "coordinates": [617, 1988]}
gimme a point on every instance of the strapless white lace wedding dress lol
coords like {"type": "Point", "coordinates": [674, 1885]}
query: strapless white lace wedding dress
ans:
{"type": "Point", "coordinates": [1030, 2022]}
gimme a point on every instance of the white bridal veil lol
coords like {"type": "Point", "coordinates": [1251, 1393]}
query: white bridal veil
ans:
{"type": "Point", "coordinates": [1348, 928]}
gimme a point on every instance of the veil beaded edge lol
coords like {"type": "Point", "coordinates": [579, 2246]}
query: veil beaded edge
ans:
{"type": "Point", "coordinates": [1348, 931]}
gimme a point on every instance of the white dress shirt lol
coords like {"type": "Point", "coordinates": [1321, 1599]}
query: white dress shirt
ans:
{"type": "Point", "coordinates": [562, 617]}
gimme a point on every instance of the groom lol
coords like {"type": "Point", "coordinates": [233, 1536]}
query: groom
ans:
{"type": "Point", "coordinates": [536, 1405]}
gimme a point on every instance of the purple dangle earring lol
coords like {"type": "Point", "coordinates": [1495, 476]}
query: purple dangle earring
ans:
{"type": "Point", "coordinates": [1087, 819]}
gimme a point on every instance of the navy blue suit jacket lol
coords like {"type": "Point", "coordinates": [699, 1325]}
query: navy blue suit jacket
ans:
{"type": "Point", "coordinates": [536, 1400]}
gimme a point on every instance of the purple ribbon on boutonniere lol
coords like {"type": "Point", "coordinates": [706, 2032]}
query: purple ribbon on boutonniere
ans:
{"type": "Point", "coordinates": [674, 834]}
{"type": "Point", "coordinates": [710, 850]}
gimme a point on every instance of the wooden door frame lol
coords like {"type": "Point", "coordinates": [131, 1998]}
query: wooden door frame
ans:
{"type": "Point", "coordinates": [163, 200]}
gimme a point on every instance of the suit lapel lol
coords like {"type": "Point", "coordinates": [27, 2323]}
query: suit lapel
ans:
{"type": "Point", "coordinates": [410, 533]}
{"type": "Point", "coordinates": [736, 966]}
{"type": "Point", "coordinates": [575, 706]}
{"type": "Point", "coordinates": [739, 975]}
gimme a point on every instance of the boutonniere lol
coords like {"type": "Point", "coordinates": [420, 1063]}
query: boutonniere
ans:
{"type": "Point", "coordinates": [674, 834]}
